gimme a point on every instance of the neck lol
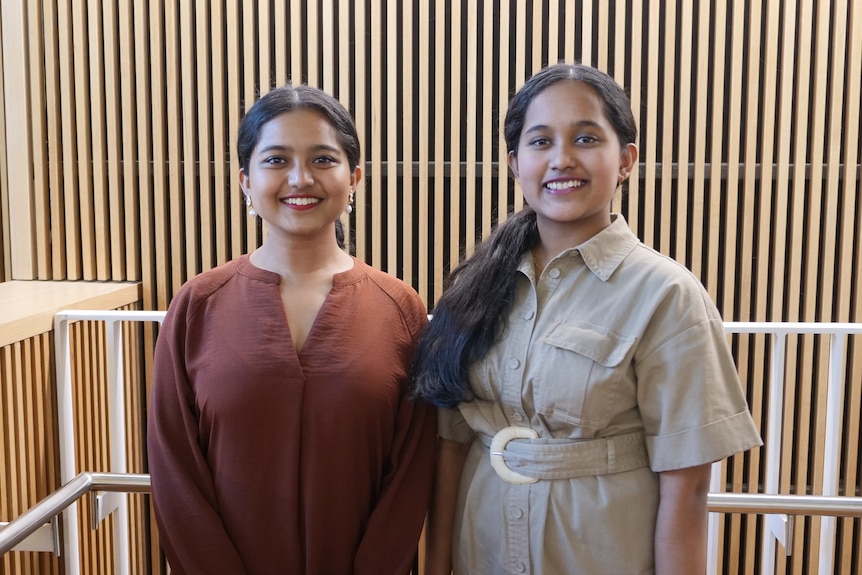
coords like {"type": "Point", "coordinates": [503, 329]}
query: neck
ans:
{"type": "Point", "coordinates": [298, 258]}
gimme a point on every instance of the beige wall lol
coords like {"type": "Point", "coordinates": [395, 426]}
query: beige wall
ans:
{"type": "Point", "coordinates": [117, 158]}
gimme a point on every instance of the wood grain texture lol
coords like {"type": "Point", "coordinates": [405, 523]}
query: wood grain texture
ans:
{"type": "Point", "coordinates": [749, 174]}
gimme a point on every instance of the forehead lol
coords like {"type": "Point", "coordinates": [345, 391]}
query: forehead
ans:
{"type": "Point", "coordinates": [566, 102]}
{"type": "Point", "coordinates": [299, 128]}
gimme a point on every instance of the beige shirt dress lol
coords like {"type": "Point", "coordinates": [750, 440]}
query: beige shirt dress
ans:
{"type": "Point", "coordinates": [617, 360]}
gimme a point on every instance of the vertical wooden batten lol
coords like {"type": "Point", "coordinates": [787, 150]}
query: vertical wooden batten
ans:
{"type": "Point", "coordinates": [118, 124]}
{"type": "Point", "coordinates": [17, 113]}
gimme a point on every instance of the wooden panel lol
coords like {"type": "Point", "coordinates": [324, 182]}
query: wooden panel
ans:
{"type": "Point", "coordinates": [30, 462]}
{"type": "Point", "coordinates": [5, 240]}
{"type": "Point", "coordinates": [454, 73]}
{"type": "Point", "coordinates": [17, 105]}
{"type": "Point", "coordinates": [389, 93]}
{"type": "Point", "coordinates": [438, 137]}
{"type": "Point", "coordinates": [407, 251]}
{"type": "Point", "coordinates": [41, 201]}
{"type": "Point", "coordinates": [847, 266]}
{"type": "Point", "coordinates": [27, 308]}
{"type": "Point", "coordinates": [360, 112]}
{"type": "Point", "coordinates": [425, 277]}
{"type": "Point", "coordinates": [29, 468]}
{"type": "Point", "coordinates": [489, 210]}
{"type": "Point", "coordinates": [374, 253]}
{"type": "Point", "coordinates": [749, 167]}
{"type": "Point", "coordinates": [188, 168]}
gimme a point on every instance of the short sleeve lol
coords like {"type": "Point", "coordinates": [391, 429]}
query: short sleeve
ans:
{"type": "Point", "coordinates": [691, 401]}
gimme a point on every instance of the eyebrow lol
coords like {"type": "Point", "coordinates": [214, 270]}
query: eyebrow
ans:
{"type": "Point", "coordinates": [578, 124]}
{"type": "Point", "coordinates": [317, 148]}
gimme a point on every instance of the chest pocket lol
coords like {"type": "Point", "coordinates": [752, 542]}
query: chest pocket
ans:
{"type": "Point", "coordinates": [581, 375]}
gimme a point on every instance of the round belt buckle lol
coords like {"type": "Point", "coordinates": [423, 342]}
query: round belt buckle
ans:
{"type": "Point", "coordinates": [499, 443]}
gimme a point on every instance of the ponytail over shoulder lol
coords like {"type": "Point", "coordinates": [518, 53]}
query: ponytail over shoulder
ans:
{"type": "Point", "coordinates": [471, 314]}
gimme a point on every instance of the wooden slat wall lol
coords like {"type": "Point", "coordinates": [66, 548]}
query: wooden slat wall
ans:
{"type": "Point", "coordinates": [749, 117]}
{"type": "Point", "coordinates": [29, 467]}
{"type": "Point", "coordinates": [5, 239]}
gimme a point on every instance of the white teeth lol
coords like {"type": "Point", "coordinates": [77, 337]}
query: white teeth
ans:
{"type": "Point", "coordinates": [564, 185]}
{"type": "Point", "coordinates": [301, 201]}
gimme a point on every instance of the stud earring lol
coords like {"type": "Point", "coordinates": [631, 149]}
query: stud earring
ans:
{"type": "Point", "coordinates": [250, 207]}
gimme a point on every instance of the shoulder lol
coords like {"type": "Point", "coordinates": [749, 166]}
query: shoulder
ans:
{"type": "Point", "coordinates": [392, 287]}
{"type": "Point", "coordinates": [657, 273]}
{"type": "Point", "coordinates": [393, 290]}
{"type": "Point", "coordinates": [199, 289]}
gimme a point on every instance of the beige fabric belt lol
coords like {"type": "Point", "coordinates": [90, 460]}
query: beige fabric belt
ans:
{"type": "Point", "coordinates": [519, 459]}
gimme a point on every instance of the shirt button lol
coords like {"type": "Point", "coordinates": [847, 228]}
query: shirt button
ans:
{"type": "Point", "coordinates": [520, 567]}
{"type": "Point", "coordinates": [517, 416]}
{"type": "Point", "coordinates": [514, 363]}
{"type": "Point", "coordinates": [529, 315]}
{"type": "Point", "coordinates": [517, 513]}
{"type": "Point", "coordinates": [554, 273]}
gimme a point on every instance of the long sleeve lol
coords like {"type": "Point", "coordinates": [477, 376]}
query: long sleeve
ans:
{"type": "Point", "coordinates": [391, 536]}
{"type": "Point", "coordinates": [265, 461]}
{"type": "Point", "coordinates": [191, 529]}
{"type": "Point", "coordinates": [390, 540]}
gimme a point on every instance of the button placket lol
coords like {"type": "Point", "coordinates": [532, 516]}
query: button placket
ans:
{"type": "Point", "coordinates": [517, 344]}
{"type": "Point", "coordinates": [518, 502]}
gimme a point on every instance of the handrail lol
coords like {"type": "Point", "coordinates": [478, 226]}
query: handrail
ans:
{"type": "Point", "coordinates": [765, 503]}
{"type": "Point", "coordinates": [31, 520]}
{"type": "Point", "coordinates": [777, 528]}
{"type": "Point", "coordinates": [22, 527]}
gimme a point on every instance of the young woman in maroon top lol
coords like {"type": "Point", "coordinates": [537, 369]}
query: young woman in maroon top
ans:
{"type": "Point", "coordinates": [280, 436]}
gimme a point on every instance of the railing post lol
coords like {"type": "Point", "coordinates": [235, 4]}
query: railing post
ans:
{"type": "Point", "coordinates": [715, 486]}
{"type": "Point", "coordinates": [832, 446]}
{"type": "Point", "coordinates": [66, 432]}
{"type": "Point", "coordinates": [775, 525]}
{"type": "Point", "coordinates": [117, 425]}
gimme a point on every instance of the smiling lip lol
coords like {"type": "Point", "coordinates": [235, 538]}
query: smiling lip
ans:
{"type": "Point", "coordinates": [563, 186]}
{"type": "Point", "coordinates": [301, 202]}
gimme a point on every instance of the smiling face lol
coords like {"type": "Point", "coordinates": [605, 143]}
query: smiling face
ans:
{"type": "Point", "coordinates": [299, 178]}
{"type": "Point", "coordinates": [569, 161]}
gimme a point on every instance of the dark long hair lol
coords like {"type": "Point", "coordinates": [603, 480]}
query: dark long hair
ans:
{"type": "Point", "coordinates": [471, 314]}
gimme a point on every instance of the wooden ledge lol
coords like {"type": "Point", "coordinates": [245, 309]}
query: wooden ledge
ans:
{"type": "Point", "coordinates": [27, 308]}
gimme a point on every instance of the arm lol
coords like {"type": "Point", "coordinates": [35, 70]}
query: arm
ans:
{"type": "Point", "coordinates": [441, 515]}
{"type": "Point", "coordinates": [191, 529]}
{"type": "Point", "coordinates": [392, 534]}
{"type": "Point", "coordinates": [680, 535]}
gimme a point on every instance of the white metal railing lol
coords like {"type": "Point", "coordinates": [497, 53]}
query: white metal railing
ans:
{"type": "Point", "coordinates": [108, 502]}
{"type": "Point", "coordinates": [774, 506]}
{"type": "Point", "coordinates": [14, 536]}
{"type": "Point", "coordinates": [778, 527]}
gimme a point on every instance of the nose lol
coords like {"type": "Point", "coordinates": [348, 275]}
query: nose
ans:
{"type": "Point", "coordinates": [564, 157]}
{"type": "Point", "coordinates": [299, 176]}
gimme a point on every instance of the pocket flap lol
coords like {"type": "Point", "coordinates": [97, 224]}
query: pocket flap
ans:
{"type": "Point", "coordinates": [599, 344]}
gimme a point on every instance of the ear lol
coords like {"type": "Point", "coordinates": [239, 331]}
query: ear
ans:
{"type": "Point", "coordinates": [513, 163]}
{"type": "Point", "coordinates": [628, 160]}
{"type": "Point", "coordinates": [244, 183]}
{"type": "Point", "coordinates": [355, 177]}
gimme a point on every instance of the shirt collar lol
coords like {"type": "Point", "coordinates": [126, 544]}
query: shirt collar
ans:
{"type": "Point", "coordinates": [603, 253]}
